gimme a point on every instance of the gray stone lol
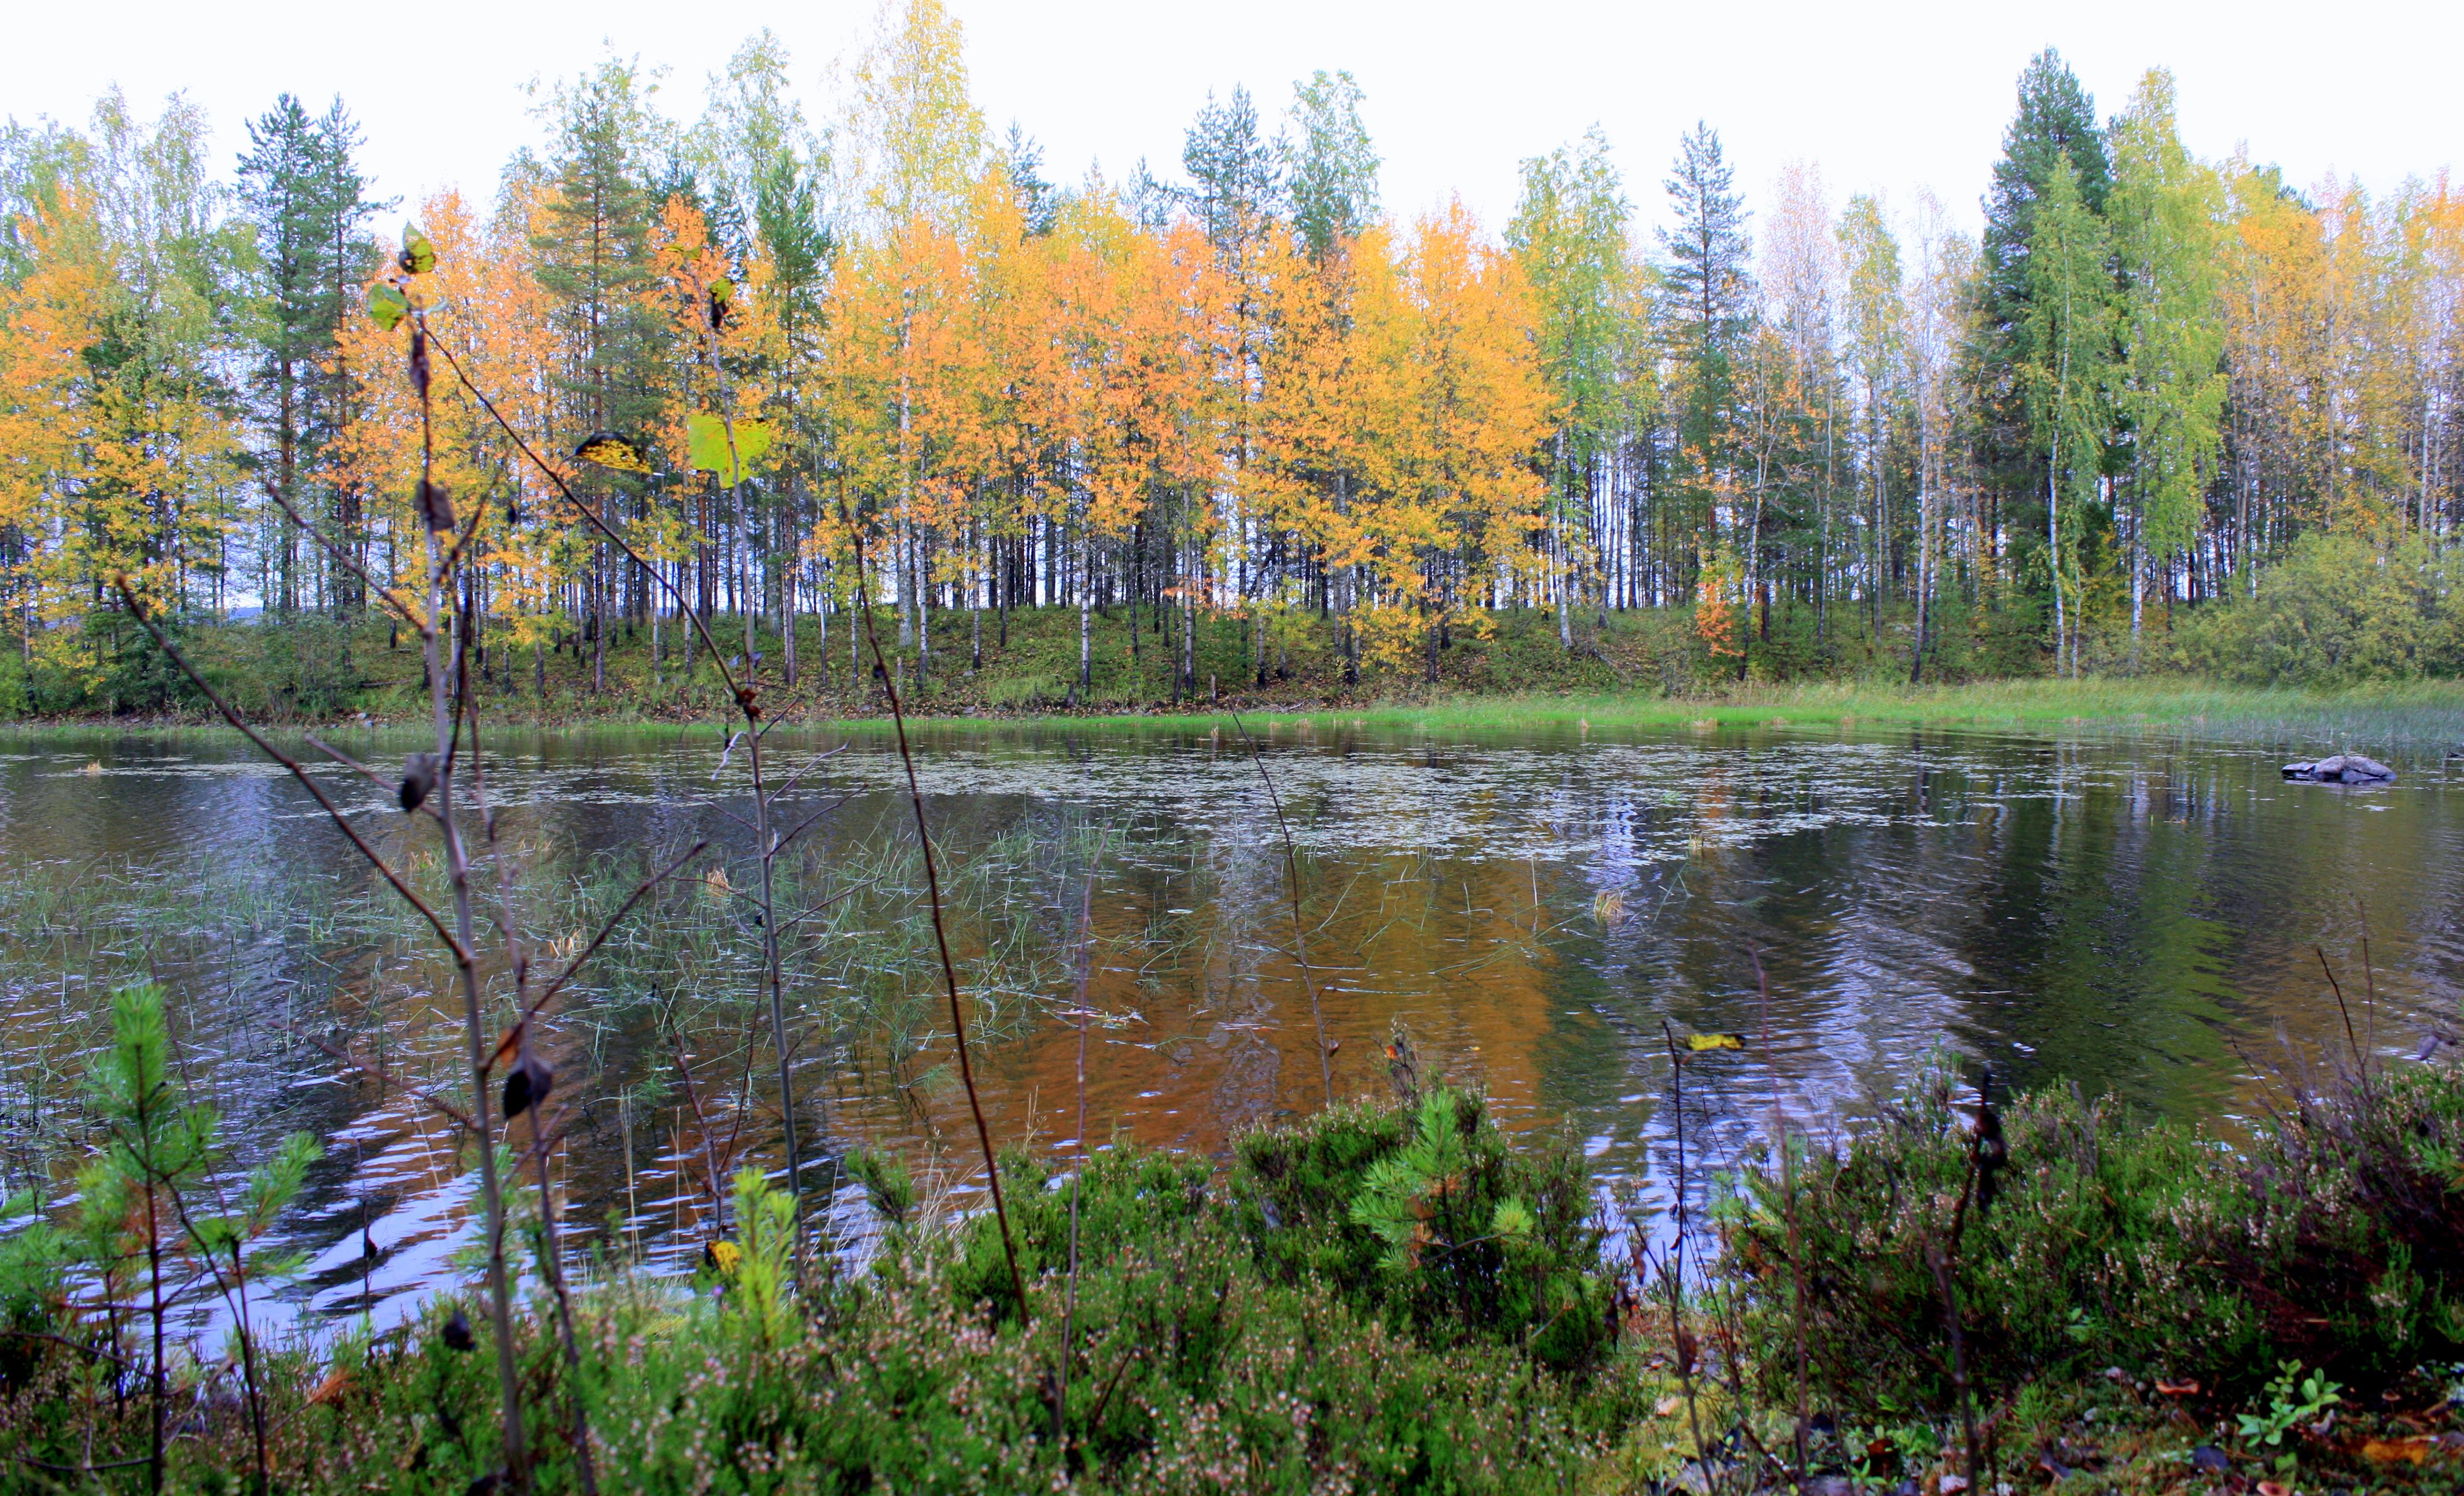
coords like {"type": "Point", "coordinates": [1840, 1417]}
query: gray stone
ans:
{"type": "Point", "coordinates": [2343, 768]}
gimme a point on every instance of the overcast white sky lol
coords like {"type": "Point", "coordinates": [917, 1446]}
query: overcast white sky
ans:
{"type": "Point", "coordinates": [1890, 96]}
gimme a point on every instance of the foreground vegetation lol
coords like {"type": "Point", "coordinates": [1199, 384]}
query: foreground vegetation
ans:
{"type": "Point", "coordinates": [1385, 1296]}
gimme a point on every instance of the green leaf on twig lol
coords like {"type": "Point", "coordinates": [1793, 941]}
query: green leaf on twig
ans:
{"type": "Point", "coordinates": [707, 437]}
{"type": "Point", "coordinates": [387, 306]}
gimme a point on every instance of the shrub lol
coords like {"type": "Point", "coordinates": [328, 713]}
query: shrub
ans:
{"type": "Point", "coordinates": [2088, 1257]}
{"type": "Point", "coordinates": [2334, 1238]}
{"type": "Point", "coordinates": [1424, 1217]}
{"type": "Point", "coordinates": [2336, 610]}
{"type": "Point", "coordinates": [2350, 1244]}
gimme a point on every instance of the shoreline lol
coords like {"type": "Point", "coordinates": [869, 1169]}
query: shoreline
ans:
{"type": "Point", "coordinates": [2408, 716]}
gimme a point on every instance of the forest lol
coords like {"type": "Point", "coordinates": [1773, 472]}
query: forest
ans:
{"type": "Point", "coordinates": [2164, 412]}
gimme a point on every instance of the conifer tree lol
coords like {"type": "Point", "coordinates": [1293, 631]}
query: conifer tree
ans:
{"type": "Point", "coordinates": [591, 253]}
{"type": "Point", "coordinates": [1707, 307]}
{"type": "Point", "coordinates": [2054, 123]}
{"type": "Point", "coordinates": [303, 197]}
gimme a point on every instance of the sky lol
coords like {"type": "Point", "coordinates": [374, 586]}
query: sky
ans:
{"type": "Point", "coordinates": [1888, 98]}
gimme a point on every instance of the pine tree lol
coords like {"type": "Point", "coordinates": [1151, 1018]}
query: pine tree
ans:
{"type": "Point", "coordinates": [303, 197]}
{"type": "Point", "coordinates": [1236, 180]}
{"type": "Point", "coordinates": [591, 253]}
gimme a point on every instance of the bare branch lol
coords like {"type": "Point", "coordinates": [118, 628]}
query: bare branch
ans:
{"type": "Point", "coordinates": [806, 824]}
{"type": "Point", "coordinates": [609, 928]}
{"type": "Point", "coordinates": [145, 621]}
{"type": "Point", "coordinates": [717, 660]}
{"type": "Point", "coordinates": [342, 557]}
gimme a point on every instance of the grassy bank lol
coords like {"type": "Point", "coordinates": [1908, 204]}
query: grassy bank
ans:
{"type": "Point", "coordinates": [1382, 1297]}
{"type": "Point", "coordinates": [1637, 671]}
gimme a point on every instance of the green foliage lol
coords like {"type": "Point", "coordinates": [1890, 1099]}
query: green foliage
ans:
{"type": "Point", "coordinates": [1423, 1217]}
{"type": "Point", "coordinates": [2336, 1236]}
{"type": "Point", "coordinates": [141, 1236]}
{"type": "Point", "coordinates": [888, 1184]}
{"type": "Point", "coordinates": [2337, 611]}
{"type": "Point", "coordinates": [758, 1299]}
{"type": "Point", "coordinates": [2083, 1260]}
{"type": "Point", "coordinates": [727, 450]}
{"type": "Point", "coordinates": [2291, 1400]}
{"type": "Point", "coordinates": [2350, 1246]}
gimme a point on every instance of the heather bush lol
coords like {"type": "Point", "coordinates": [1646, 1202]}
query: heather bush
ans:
{"type": "Point", "coordinates": [2080, 1260]}
{"type": "Point", "coordinates": [1193, 1361]}
{"type": "Point", "coordinates": [2349, 1243]}
{"type": "Point", "coordinates": [2334, 1235]}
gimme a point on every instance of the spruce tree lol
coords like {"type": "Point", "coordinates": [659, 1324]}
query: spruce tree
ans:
{"type": "Point", "coordinates": [2054, 124]}
{"type": "Point", "coordinates": [1706, 305]}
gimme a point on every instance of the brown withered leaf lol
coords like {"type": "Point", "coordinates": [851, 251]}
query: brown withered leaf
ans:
{"type": "Point", "coordinates": [2410, 1449]}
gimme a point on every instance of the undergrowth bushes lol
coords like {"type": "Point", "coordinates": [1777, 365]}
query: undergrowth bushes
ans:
{"type": "Point", "coordinates": [2334, 1235]}
{"type": "Point", "coordinates": [1389, 1298]}
{"type": "Point", "coordinates": [1193, 1350]}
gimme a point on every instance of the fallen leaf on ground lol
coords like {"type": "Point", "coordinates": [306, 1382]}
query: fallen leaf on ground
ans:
{"type": "Point", "coordinates": [2413, 1450]}
{"type": "Point", "coordinates": [2187, 1387]}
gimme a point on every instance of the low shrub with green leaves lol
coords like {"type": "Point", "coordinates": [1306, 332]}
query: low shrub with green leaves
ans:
{"type": "Point", "coordinates": [1191, 1351]}
{"type": "Point", "coordinates": [1423, 1215]}
{"type": "Point", "coordinates": [1380, 1298]}
{"type": "Point", "coordinates": [2334, 1235]}
{"type": "Point", "coordinates": [2079, 1260]}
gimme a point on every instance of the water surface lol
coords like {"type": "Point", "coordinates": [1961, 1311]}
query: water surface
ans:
{"type": "Point", "coordinates": [1537, 914]}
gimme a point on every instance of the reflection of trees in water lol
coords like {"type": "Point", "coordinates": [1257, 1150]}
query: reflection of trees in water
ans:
{"type": "Point", "coordinates": [2123, 913]}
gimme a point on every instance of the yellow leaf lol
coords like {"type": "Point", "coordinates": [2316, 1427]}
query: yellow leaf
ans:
{"type": "Point", "coordinates": [608, 449]}
{"type": "Point", "coordinates": [1698, 1043]}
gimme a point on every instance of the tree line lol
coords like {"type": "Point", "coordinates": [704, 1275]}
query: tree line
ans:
{"type": "Point", "coordinates": [1818, 429]}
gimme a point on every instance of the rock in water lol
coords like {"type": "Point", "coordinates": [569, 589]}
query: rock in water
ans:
{"type": "Point", "coordinates": [2343, 768]}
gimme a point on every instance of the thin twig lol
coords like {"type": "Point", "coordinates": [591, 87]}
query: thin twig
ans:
{"type": "Point", "coordinates": [145, 621]}
{"type": "Point", "coordinates": [342, 557]}
{"type": "Point", "coordinates": [941, 939]}
{"type": "Point", "coordinates": [1078, 1175]}
{"type": "Point", "coordinates": [1292, 885]}
{"type": "Point", "coordinates": [2351, 1040]}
